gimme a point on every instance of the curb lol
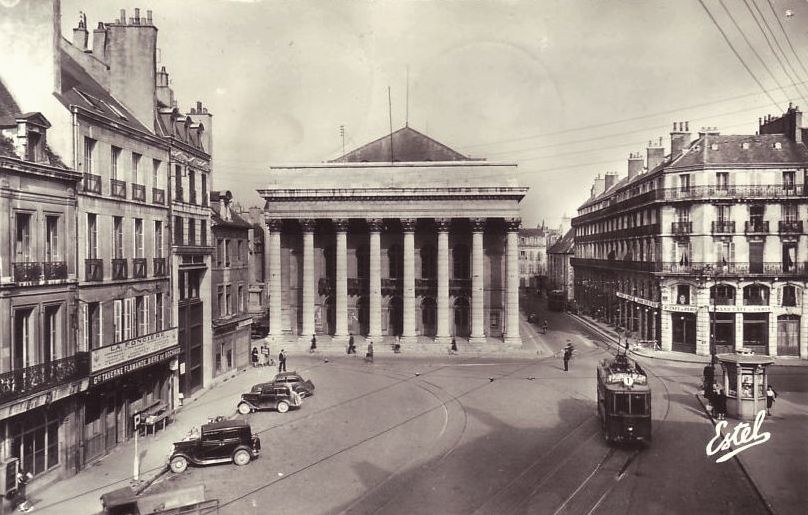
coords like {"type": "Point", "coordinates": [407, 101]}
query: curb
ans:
{"type": "Point", "coordinates": [740, 463]}
{"type": "Point", "coordinates": [144, 485]}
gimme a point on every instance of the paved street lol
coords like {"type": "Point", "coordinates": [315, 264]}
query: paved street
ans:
{"type": "Point", "coordinates": [454, 435]}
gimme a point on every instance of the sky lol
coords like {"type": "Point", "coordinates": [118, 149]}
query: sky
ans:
{"type": "Point", "coordinates": [566, 89]}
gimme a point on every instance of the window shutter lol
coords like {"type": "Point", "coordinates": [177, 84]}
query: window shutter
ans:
{"type": "Point", "coordinates": [117, 319]}
{"type": "Point", "coordinates": [146, 314]}
{"type": "Point", "coordinates": [100, 341]}
{"type": "Point", "coordinates": [85, 326]}
{"type": "Point", "coordinates": [127, 319]}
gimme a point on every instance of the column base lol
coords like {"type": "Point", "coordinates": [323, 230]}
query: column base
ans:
{"type": "Point", "coordinates": [443, 339]}
{"type": "Point", "coordinates": [341, 339]}
{"type": "Point", "coordinates": [477, 339]}
{"type": "Point", "coordinates": [513, 340]}
{"type": "Point", "coordinates": [409, 340]}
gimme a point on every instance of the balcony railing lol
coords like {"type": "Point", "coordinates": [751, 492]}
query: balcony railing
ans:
{"type": "Point", "coordinates": [27, 271]}
{"type": "Point", "coordinates": [92, 183]}
{"type": "Point", "coordinates": [139, 192]}
{"type": "Point", "coordinates": [743, 190]}
{"type": "Point", "coordinates": [639, 266]}
{"type": "Point", "coordinates": [756, 227]}
{"type": "Point", "coordinates": [138, 268]}
{"type": "Point", "coordinates": [28, 380]}
{"type": "Point", "coordinates": [159, 267]}
{"type": "Point", "coordinates": [158, 196]}
{"type": "Point", "coordinates": [119, 269]}
{"type": "Point", "coordinates": [722, 301]}
{"type": "Point", "coordinates": [755, 301]}
{"type": "Point", "coordinates": [681, 227]}
{"type": "Point", "coordinates": [721, 269]}
{"type": "Point", "coordinates": [93, 270]}
{"type": "Point", "coordinates": [790, 227]}
{"type": "Point", "coordinates": [723, 227]}
{"type": "Point", "coordinates": [118, 188]}
{"type": "Point", "coordinates": [54, 270]}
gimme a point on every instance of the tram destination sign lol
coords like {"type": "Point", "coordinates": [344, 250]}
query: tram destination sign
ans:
{"type": "Point", "coordinates": [123, 352]}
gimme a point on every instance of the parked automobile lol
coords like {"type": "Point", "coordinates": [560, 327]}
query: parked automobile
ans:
{"type": "Point", "coordinates": [219, 442]}
{"type": "Point", "coordinates": [268, 396]}
{"type": "Point", "coordinates": [302, 386]}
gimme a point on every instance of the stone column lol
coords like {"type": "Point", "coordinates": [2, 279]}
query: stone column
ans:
{"type": "Point", "coordinates": [273, 251]}
{"type": "Point", "coordinates": [375, 277]}
{"type": "Point", "coordinates": [512, 282]}
{"type": "Point", "coordinates": [341, 287]}
{"type": "Point", "coordinates": [477, 280]}
{"type": "Point", "coordinates": [308, 279]}
{"type": "Point", "coordinates": [442, 330]}
{"type": "Point", "coordinates": [408, 329]}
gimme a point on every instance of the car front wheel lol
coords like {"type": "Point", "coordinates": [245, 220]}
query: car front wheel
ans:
{"type": "Point", "coordinates": [283, 407]}
{"type": "Point", "coordinates": [244, 408]}
{"type": "Point", "coordinates": [178, 464]}
{"type": "Point", "coordinates": [241, 457]}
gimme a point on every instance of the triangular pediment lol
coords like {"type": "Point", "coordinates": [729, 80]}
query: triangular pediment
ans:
{"type": "Point", "coordinates": [408, 145]}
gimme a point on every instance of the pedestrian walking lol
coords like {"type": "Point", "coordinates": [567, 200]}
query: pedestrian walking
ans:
{"type": "Point", "coordinates": [397, 345]}
{"type": "Point", "coordinates": [313, 343]}
{"type": "Point", "coordinates": [282, 361]}
{"type": "Point", "coordinates": [544, 327]}
{"type": "Point", "coordinates": [453, 349]}
{"type": "Point", "coordinates": [568, 350]}
{"type": "Point", "coordinates": [21, 499]}
{"type": "Point", "coordinates": [720, 403]}
{"type": "Point", "coordinates": [369, 354]}
{"type": "Point", "coordinates": [351, 346]}
{"type": "Point", "coordinates": [266, 360]}
{"type": "Point", "coordinates": [255, 356]}
{"type": "Point", "coordinates": [771, 394]}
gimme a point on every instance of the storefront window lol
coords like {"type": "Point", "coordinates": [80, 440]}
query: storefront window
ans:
{"type": "Point", "coordinates": [732, 382]}
{"type": "Point", "coordinates": [35, 441]}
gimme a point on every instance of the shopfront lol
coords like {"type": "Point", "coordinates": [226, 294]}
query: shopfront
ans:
{"type": "Point", "coordinates": [683, 332]}
{"type": "Point", "coordinates": [756, 332]}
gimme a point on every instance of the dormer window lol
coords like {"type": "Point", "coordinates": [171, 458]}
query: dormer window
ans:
{"type": "Point", "coordinates": [35, 148]}
{"type": "Point", "coordinates": [31, 129]}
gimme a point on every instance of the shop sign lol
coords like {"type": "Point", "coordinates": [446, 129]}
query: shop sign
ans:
{"type": "Point", "coordinates": [680, 308]}
{"type": "Point", "coordinates": [122, 352]}
{"type": "Point", "coordinates": [741, 309]}
{"type": "Point", "coordinates": [638, 300]}
{"type": "Point", "coordinates": [134, 365]}
{"type": "Point", "coordinates": [42, 399]}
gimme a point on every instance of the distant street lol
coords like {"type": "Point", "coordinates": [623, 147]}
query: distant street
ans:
{"type": "Point", "coordinates": [412, 434]}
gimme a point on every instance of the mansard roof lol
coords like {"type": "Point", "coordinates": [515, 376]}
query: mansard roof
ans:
{"type": "Point", "coordinates": [565, 245]}
{"type": "Point", "coordinates": [409, 145]}
{"type": "Point", "coordinates": [9, 110]}
{"type": "Point", "coordinates": [762, 150]}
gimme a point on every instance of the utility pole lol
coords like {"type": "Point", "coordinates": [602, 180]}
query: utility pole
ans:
{"type": "Point", "coordinates": [390, 114]}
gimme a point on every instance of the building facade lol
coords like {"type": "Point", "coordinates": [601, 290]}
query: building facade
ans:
{"type": "Point", "coordinates": [230, 280]}
{"type": "Point", "coordinates": [257, 305]}
{"type": "Point", "coordinates": [561, 275]}
{"type": "Point", "coordinates": [401, 237]}
{"type": "Point", "coordinates": [706, 250]}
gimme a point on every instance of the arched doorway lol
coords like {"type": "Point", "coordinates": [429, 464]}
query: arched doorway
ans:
{"type": "Point", "coordinates": [429, 315]}
{"type": "Point", "coordinates": [461, 317]}
{"type": "Point", "coordinates": [788, 335]}
{"type": "Point", "coordinates": [359, 321]}
{"type": "Point", "coordinates": [395, 309]}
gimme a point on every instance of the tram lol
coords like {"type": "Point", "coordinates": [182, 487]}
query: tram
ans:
{"type": "Point", "coordinates": [624, 400]}
{"type": "Point", "coordinates": [556, 300]}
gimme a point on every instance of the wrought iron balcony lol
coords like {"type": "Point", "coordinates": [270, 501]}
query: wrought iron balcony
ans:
{"type": "Point", "coordinates": [709, 269]}
{"type": "Point", "coordinates": [756, 227]}
{"type": "Point", "coordinates": [790, 227]}
{"type": "Point", "coordinates": [54, 270]}
{"type": "Point", "coordinates": [93, 270]}
{"type": "Point", "coordinates": [723, 227]}
{"type": "Point", "coordinates": [158, 196]}
{"type": "Point", "coordinates": [28, 380]}
{"type": "Point", "coordinates": [159, 267]}
{"type": "Point", "coordinates": [138, 268]}
{"type": "Point", "coordinates": [681, 228]}
{"type": "Point", "coordinates": [27, 271]}
{"type": "Point", "coordinates": [120, 269]}
{"type": "Point", "coordinates": [118, 188]}
{"type": "Point", "coordinates": [735, 190]}
{"type": "Point", "coordinates": [92, 183]}
{"type": "Point", "coordinates": [139, 192]}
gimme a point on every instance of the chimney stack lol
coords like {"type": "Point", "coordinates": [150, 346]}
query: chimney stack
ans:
{"type": "Point", "coordinates": [609, 180]}
{"type": "Point", "coordinates": [680, 138]}
{"type": "Point", "coordinates": [655, 154]}
{"type": "Point", "coordinates": [100, 42]}
{"type": "Point", "coordinates": [80, 33]}
{"type": "Point", "coordinates": [598, 186]}
{"type": "Point", "coordinates": [635, 164]}
{"type": "Point", "coordinates": [122, 21]}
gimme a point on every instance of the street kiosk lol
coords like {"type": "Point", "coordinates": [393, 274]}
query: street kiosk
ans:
{"type": "Point", "coordinates": [745, 381]}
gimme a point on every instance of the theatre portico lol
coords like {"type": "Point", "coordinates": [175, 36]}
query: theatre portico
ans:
{"type": "Point", "coordinates": [417, 248]}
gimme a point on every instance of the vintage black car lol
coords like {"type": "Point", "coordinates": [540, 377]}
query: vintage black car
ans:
{"type": "Point", "coordinates": [219, 442]}
{"type": "Point", "coordinates": [267, 396]}
{"type": "Point", "coordinates": [302, 386]}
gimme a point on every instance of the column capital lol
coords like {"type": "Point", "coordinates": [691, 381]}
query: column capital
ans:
{"type": "Point", "coordinates": [274, 224]}
{"type": "Point", "coordinates": [442, 224]}
{"type": "Point", "coordinates": [477, 224]}
{"type": "Point", "coordinates": [375, 224]}
{"type": "Point", "coordinates": [408, 224]}
{"type": "Point", "coordinates": [340, 224]}
{"type": "Point", "coordinates": [307, 224]}
{"type": "Point", "coordinates": [513, 224]}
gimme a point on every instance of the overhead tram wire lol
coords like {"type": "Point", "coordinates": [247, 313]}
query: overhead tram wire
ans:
{"type": "Point", "coordinates": [752, 47]}
{"type": "Point", "coordinates": [795, 75]}
{"type": "Point", "coordinates": [791, 76]}
{"type": "Point", "coordinates": [734, 51]}
{"type": "Point", "coordinates": [788, 39]}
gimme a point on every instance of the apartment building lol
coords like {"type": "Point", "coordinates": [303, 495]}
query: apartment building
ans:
{"type": "Point", "coordinates": [703, 249]}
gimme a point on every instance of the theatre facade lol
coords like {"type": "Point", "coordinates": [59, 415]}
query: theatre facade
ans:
{"type": "Point", "coordinates": [401, 237]}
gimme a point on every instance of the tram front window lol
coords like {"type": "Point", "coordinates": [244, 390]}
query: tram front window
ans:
{"type": "Point", "coordinates": [630, 404]}
{"type": "Point", "coordinates": [621, 404]}
{"type": "Point", "coordinates": [638, 404]}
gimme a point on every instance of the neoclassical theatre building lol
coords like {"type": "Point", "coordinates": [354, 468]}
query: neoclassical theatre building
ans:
{"type": "Point", "coordinates": [400, 237]}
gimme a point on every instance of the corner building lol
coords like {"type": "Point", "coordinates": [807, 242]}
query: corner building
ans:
{"type": "Point", "coordinates": [706, 251]}
{"type": "Point", "coordinates": [401, 237]}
